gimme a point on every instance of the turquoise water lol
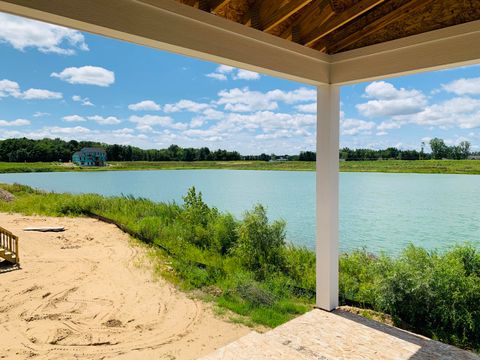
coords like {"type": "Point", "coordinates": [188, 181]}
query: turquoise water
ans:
{"type": "Point", "coordinates": [381, 212]}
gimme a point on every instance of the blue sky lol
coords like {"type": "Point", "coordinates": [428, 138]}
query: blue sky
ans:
{"type": "Point", "coordinates": [57, 82]}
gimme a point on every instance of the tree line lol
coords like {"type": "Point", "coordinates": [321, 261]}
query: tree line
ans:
{"type": "Point", "coordinates": [439, 150]}
{"type": "Point", "coordinates": [51, 150]}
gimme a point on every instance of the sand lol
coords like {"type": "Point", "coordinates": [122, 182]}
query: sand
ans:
{"type": "Point", "coordinates": [89, 293]}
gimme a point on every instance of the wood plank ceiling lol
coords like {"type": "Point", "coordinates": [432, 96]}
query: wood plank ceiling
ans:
{"type": "Point", "coordinates": [333, 26]}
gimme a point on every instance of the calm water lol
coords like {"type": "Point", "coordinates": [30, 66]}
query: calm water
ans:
{"type": "Point", "coordinates": [377, 211]}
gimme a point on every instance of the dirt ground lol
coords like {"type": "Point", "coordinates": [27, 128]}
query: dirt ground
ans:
{"type": "Point", "coordinates": [89, 293]}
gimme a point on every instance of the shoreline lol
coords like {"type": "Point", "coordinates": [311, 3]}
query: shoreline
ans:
{"type": "Point", "coordinates": [460, 167]}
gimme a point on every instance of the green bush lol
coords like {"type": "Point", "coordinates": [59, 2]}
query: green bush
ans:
{"type": "Point", "coordinates": [224, 233]}
{"type": "Point", "coordinates": [432, 293]}
{"type": "Point", "coordinates": [436, 294]}
{"type": "Point", "coordinates": [261, 245]}
{"type": "Point", "coordinates": [300, 267]}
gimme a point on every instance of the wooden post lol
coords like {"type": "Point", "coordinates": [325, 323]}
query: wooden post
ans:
{"type": "Point", "coordinates": [17, 258]}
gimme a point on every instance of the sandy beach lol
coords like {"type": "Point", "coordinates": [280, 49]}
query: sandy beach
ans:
{"type": "Point", "coordinates": [89, 293]}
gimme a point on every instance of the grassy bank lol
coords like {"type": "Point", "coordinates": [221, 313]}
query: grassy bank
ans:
{"type": "Point", "coordinates": [387, 166]}
{"type": "Point", "coordinates": [245, 265]}
{"type": "Point", "coordinates": [6, 167]}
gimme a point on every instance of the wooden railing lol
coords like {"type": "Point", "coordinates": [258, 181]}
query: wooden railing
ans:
{"type": "Point", "coordinates": [9, 246]}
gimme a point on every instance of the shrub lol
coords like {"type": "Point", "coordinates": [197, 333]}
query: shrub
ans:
{"type": "Point", "coordinates": [436, 294]}
{"type": "Point", "coordinates": [359, 277]}
{"type": "Point", "coordinates": [261, 245]}
{"type": "Point", "coordinates": [224, 233]}
{"type": "Point", "coordinates": [196, 217]}
{"type": "Point", "coordinates": [300, 267]}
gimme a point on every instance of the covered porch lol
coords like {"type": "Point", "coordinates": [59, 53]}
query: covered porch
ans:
{"type": "Point", "coordinates": [322, 43]}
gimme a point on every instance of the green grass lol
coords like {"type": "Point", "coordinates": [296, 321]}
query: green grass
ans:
{"type": "Point", "coordinates": [471, 167]}
{"type": "Point", "coordinates": [386, 166]}
{"type": "Point", "coordinates": [6, 167]}
{"type": "Point", "coordinates": [245, 267]}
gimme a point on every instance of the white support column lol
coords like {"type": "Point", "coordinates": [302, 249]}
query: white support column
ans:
{"type": "Point", "coordinates": [328, 116]}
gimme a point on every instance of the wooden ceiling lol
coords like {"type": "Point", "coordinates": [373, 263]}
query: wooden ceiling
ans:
{"type": "Point", "coordinates": [333, 26]}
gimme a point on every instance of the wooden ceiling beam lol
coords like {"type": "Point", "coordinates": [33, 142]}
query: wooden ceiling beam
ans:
{"type": "Point", "coordinates": [309, 38]}
{"type": "Point", "coordinates": [377, 24]}
{"type": "Point", "coordinates": [275, 16]}
{"type": "Point", "coordinates": [314, 14]}
{"type": "Point", "coordinates": [217, 4]}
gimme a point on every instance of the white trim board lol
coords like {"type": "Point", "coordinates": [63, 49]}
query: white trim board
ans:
{"type": "Point", "coordinates": [434, 50]}
{"type": "Point", "coordinates": [171, 26]}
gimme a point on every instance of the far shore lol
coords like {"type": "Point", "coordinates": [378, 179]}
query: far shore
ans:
{"type": "Point", "coordinates": [471, 167]}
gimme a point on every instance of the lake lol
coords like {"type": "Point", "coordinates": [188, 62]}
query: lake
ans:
{"type": "Point", "coordinates": [381, 212]}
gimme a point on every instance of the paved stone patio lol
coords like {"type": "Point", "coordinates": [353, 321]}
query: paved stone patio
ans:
{"type": "Point", "coordinates": [323, 335]}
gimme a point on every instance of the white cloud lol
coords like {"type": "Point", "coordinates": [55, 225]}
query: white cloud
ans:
{"type": "Point", "coordinates": [145, 105]}
{"type": "Point", "coordinates": [295, 96]}
{"type": "Point", "coordinates": [23, 33]}
{"type": "Point", "coordinates": [67, 130]}
{"type": "Point", "coordinates": [74, 118]}
{"type": "Point", "coordinates": [87, 75]}
{"type": "Point", "coordinates": [225, 69]}
{"type": "Point", "coordinates": [385, 90]}
{"type": "Point", "coordinates": [387, 100]}
{"type": "Point", "coordinates": [146, 122]}
{"type": "Point", "coordinates": [12, 88]}
{"type": "Point", "coordinates": [41, 94]}
{"type": "Point", "coordinates": [388, 125]}
{"type": "Point", "coordinates": [464, 86]}
{"type": "Point", "coordinates": [308, 108]}
{"type": "Point", "coordinates": [206, 135]}
{"type": "Point", "coordinates": [124, 131]}
{"type": "Point", "coordinates": [356, 127]}
{"type": "Point", "coordinates": [85, 101]}
{"type": "Point", "coordinates": [17, 122]}
{"type": "Point", "coordinates": [245, 100]}
{"type": "Point", "coordinates": [462, 112]}
{"type": "Point", "coordinates": [246, 75]}
{"type": "Point", "coordinates": [109, 120]}
{"type": "Point", "coordinates": [265, 121]}
{"type": "Point", "coordinates": [217, 76]}
{"type": "Point", "coordinates": [186, 105]}
{"type": "Point", "coordinates": [9, 88]}
{"type": "Point", "coordinates": [196, 122]}
{"type": "Point", "coordinates": [222, 71]}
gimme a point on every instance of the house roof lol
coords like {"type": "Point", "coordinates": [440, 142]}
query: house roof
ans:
{"type": "Point", "coordinates": [92, 149]}
{"type": "Point", "coordinates": [333, 26]}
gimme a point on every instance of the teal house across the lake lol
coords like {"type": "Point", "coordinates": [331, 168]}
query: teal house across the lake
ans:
{"type": "Point", "coordinates": [90, 157]}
